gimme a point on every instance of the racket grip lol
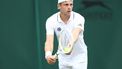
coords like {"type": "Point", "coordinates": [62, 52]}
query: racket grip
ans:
{"type": "Point", "coordinates": [56, 56]}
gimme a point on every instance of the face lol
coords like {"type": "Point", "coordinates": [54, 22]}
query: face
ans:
{"type": "Point", "coordinates": [66, 7]}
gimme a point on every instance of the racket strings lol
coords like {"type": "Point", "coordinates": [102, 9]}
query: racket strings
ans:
{"type": "Point", "coordinates": [65, 39]}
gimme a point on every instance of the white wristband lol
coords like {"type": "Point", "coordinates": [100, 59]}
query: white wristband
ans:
{"type": "Point", "coordinates": [48, 53]}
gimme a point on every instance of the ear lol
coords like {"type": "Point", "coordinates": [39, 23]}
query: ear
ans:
{"type": "Point", "coordinates": [58, 6]}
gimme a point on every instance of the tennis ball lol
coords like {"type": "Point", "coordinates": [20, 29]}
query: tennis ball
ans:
{"type": "Point", "coordinates": [66, 49]}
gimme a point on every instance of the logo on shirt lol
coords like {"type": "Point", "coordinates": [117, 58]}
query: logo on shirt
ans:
{"type": "Point", "coordinates": [58, 29]}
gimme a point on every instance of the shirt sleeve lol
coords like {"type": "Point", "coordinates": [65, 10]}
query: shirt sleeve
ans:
{"type": "Point", "coordinates": [49, 27]}
{"type": "Point", "coordinates": [80, 22]}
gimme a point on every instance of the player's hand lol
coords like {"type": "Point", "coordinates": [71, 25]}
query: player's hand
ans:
{"type": "Point", "coordinates": [71, 43]}
{"type": "Point", "coordinates": [51, 59]}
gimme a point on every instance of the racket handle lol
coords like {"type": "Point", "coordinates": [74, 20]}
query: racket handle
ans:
{"type": "Point", "coordinates": [56, 56]}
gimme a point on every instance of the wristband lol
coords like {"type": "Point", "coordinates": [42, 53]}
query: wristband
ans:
{"type": "Point", "coordinates": [48, 53]}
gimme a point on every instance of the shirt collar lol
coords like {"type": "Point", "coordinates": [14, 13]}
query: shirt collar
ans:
{"type": "Point", "coordinates": [59, 19]}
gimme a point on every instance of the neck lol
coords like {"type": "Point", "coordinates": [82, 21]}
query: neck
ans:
{"type": "Point", "coordinates": [64, 17]}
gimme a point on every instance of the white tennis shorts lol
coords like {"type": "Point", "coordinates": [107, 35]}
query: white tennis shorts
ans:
{"type": "Point", "coordinates": [67, 65]}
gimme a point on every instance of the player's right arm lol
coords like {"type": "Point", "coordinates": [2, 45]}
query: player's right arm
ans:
{"type": "Point", "coordinates": [48, 49]}
{"type": "Point", "coordinates": [49, 43]}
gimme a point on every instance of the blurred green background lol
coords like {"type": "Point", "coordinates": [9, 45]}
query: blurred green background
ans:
{"type": "Point", "coordinates": [22, 33]}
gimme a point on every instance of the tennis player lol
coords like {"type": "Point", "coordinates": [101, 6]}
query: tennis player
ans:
{"type": "Point", "coordinates": [74, 22]}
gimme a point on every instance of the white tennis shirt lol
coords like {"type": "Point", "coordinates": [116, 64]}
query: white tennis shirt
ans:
{"type": "Point", "coordinates": [55, 24]}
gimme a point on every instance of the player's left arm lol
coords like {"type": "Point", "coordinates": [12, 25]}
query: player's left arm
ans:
{"type": "Point", "coordinates": [75, 33]}
{"type": "Point", "coordinates": [79, 27]}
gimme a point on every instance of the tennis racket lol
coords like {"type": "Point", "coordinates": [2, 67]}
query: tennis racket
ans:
{"type": "Point", "coordinates": [65, 43]}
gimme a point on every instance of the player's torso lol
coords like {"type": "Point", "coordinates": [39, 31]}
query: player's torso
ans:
{"type": "Point", "coordinates": [80, 46]}
{"type": "Point", "coordinates": [59, 27]}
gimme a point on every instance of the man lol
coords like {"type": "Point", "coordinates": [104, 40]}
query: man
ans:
{"type": "Point", "coordinates": [67, 19]}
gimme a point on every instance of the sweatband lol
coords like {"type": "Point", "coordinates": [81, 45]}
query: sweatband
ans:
{"type": "Point", "coordinates": [48, 53]}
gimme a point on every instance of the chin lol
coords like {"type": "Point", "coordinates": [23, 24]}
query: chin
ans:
{"type": "Point", "coordinates": [69, 13]}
